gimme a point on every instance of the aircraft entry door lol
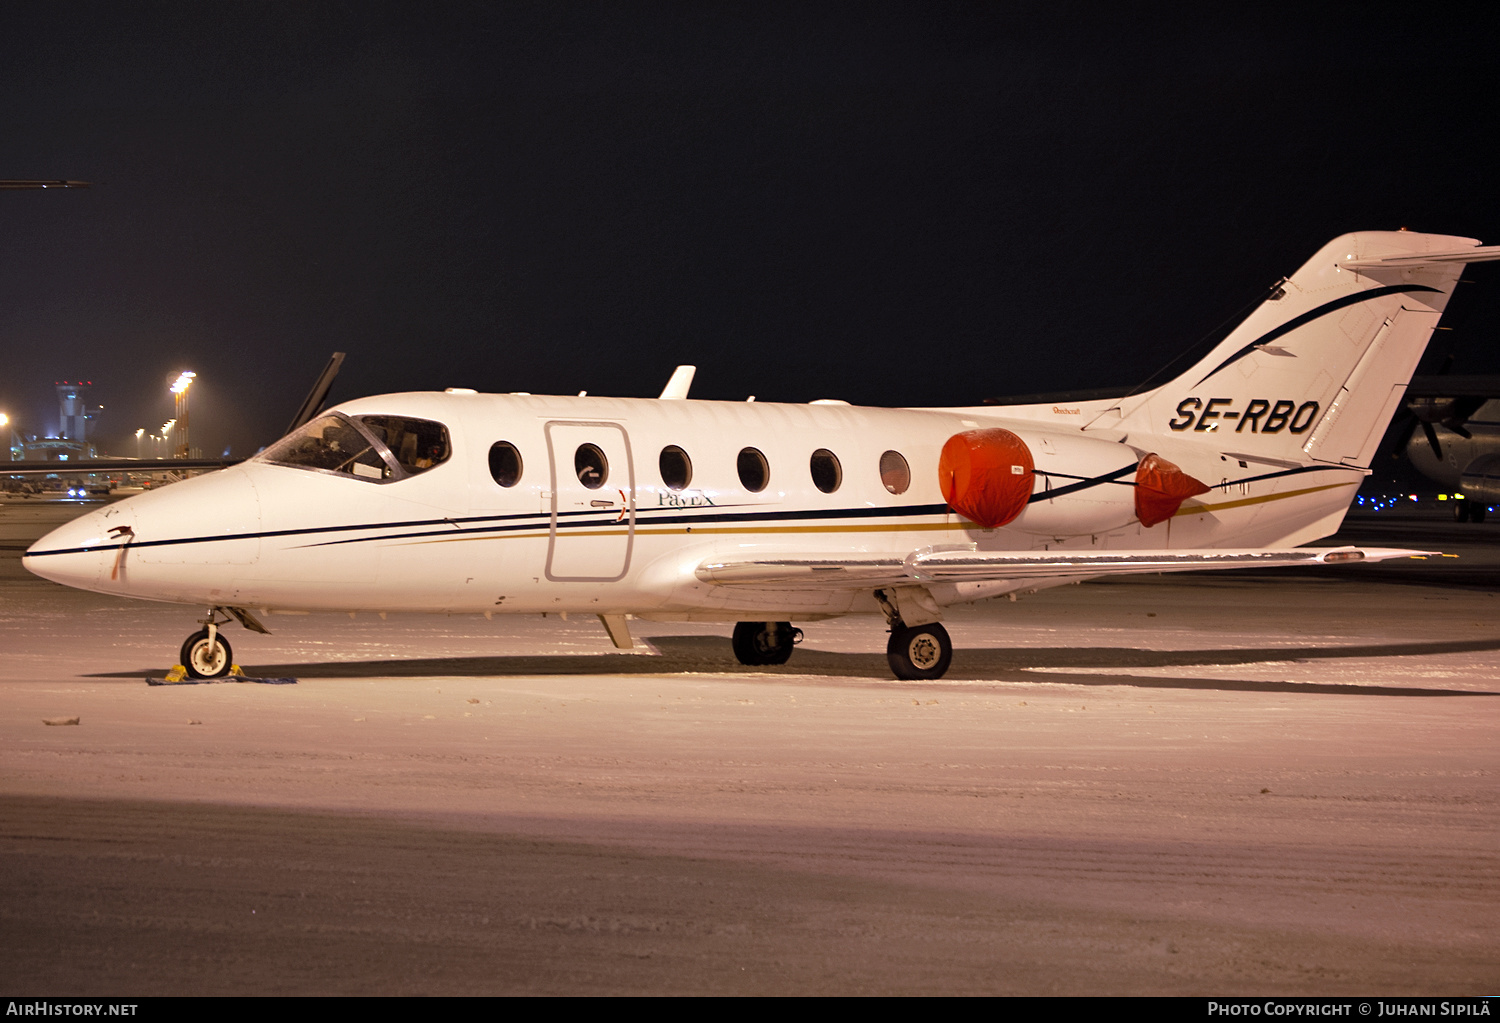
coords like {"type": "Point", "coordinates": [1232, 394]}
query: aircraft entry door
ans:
{"type": "Point", "coordinates": [593, 502]}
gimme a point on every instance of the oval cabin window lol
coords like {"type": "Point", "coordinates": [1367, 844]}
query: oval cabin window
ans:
{"type": "Point", "coordinates": [895, 474]}
{"type": "Point", "coordinates": [827, 474]}
{"type": "Point", "coordinates": [676, 467]}
{"type": "Point", "coordinates": [505, 463]}
{"type": "Point", "coordinates": [755, 471]}
{"type": "Point", "coordinates": [592, 467]}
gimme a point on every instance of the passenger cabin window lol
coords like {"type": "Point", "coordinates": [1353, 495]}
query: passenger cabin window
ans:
{"type": "Point", "coordinates": [333, 444]}
{"type": "Point", "coordinates": [827, 474]}
{"type": "Point", "coordinates": [755, 471]}
{"type": "Point", "coordinates": [894, 472]}
{"type": "Point", "coordinates": [418, 444]}
{"type": "Point", "coordinates": [591, 466]}
{"type": "Point", "coordinates": [505, 463]}
{"type": "Point", "coordinates": [676, 467]}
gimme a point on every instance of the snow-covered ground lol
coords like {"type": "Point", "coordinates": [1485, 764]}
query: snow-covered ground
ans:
{"type": "Point", "coordinates": [1215, 785]}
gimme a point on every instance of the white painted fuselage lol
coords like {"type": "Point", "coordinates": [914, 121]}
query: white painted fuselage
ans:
{"type": "Point", "coordinates": [281, 537]}
{"type": "Point", "coordinates": [514, 503]}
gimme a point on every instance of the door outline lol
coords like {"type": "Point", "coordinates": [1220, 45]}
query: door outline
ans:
{"type": "Point", "coordinates": [628, 493]}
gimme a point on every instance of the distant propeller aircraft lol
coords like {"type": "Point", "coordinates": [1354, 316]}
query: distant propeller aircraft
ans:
{"type": "Point", "coordinates": [766, 514]}
{"type": "Point", "coordinates": [1460, 421]}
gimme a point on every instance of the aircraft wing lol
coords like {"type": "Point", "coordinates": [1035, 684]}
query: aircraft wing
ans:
{"type": "Point", "coordinates": [1454, 387]}
{"type": "Point", "coordinates": [932, 565]}
{"type": "Point", "coordinates": [111, 465]}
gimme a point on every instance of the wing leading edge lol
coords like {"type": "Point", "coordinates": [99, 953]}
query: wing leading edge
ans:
{"type": "Point", "coordinates": [938, 565]}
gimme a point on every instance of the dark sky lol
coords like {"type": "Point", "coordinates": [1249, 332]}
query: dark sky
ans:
{"type": "Point", "coordinates": [893, 204]}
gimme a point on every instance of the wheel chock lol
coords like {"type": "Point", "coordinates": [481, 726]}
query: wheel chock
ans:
{"type": "Point", "coordinates": [176, 674]}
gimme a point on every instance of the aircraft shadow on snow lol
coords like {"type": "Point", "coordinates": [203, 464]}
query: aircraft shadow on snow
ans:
{"type": "Point", "coordinates": [711, 655]}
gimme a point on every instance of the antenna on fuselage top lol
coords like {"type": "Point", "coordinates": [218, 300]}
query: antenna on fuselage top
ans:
{"type": "Point", "coordinates": [313, 403]}
{"type": "Point", "coordinates": [677, 387]}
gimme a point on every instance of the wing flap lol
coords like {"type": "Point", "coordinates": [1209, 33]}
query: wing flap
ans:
{"type": "Point", "coordinates": [925, 565]}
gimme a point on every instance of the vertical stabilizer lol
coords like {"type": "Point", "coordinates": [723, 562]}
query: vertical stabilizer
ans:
{"type": "Point", "coordinates": [1318, 370]}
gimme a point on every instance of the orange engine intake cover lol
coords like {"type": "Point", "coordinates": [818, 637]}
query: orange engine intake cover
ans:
{"type": "Point", "coordinates": [1160, 489]}
{"type": "Point", "coordinates": [986, 475]}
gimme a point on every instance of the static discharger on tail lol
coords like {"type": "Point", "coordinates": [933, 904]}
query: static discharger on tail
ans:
{"type": "Point", "coordinates": [766, 515]}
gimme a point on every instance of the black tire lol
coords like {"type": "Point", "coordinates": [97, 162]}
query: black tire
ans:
{"type": "Point", "coordinates": [919, 651]}
{"type": "Point", "coordinates": [203, 661]}
{"type": "Point", "coordinates": [763, 642]}
{"type": "Point", "coordinates": [1461, 511]}
{"type": "Point", "coordinates": [1476, 514]}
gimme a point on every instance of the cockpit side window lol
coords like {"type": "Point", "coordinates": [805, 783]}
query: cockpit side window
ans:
{"type": "Point", "coordinates": [333, 444]}
{"type": "Point", "coordinates": [418, 444]}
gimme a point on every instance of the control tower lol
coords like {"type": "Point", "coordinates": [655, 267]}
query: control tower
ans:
{"type": "Point", "coordinates": [74, 409]}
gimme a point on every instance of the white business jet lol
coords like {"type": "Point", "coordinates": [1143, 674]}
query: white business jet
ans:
{"type": "Point", "coordinates": [767, 515]}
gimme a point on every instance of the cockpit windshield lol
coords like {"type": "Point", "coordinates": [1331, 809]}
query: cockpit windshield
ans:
{"type": "Point", "coordinates": [331, 443]}
{"type": "Point", "coordinates": [418, 444]}
{"type": "Point", "coordinates": [375, 448]}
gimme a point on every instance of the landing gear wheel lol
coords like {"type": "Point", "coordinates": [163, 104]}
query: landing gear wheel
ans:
{"type": "Point", "coordinates": [1461, 511]}
{"type": "Point", "coordinates": [919, 651]}
{"type": "Point", "coordinates": [1476, 514]}
{"type": "Point", "coordinates": [203, 659]}
{"type": "Point", "coordinates": [764, 642]}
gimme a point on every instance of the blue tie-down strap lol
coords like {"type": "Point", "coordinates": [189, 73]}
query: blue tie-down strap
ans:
{"type": "Point", "coordinates": [226, 678]}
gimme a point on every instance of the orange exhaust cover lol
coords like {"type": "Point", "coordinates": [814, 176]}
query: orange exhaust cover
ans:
{"type": "Point", "coordinates": [1160, 489]}
{"type": "Point", "coordinates": [986, 475]}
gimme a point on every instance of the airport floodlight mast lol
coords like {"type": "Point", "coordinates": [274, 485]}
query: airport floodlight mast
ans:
{"type": "Point", "coordinates": [138, 435]}
{"type": "Point", "coordinates": [180, 389]}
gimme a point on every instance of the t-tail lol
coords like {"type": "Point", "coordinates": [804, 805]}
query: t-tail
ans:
{"type": "Point", "coordinates": [1315, 374]}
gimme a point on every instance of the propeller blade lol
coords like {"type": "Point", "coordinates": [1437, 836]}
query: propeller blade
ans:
{"type": "Point", "coordinates": [313, 403]}
{"type": "Point", "coordinates": [1459, 414]}
{"type": "Point", "coordinates": [1405, 436]}
{"type": "Point", "coordinates": [1437, 449]}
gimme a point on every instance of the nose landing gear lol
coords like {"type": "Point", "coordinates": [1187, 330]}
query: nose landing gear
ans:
{"type": "Point", "coordinates": [206, 653]}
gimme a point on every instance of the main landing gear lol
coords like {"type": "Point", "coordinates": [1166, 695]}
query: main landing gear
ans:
{"type": "Point", "coordinates": [764, 642]}
{"type": "Point", "coordinates": [919, 651]}
{"type": "Point", "coordinates": [1469, 511]}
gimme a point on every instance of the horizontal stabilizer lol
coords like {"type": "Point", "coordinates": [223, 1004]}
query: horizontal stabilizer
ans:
{"type": "Point", "coordinates": [1478, 254]}
{"type": "Point", "coordinates": [925, 565]}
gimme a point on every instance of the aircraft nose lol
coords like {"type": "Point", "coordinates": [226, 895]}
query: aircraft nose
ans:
{"type": "Point", "coordinates": [83, 552]}
{"type": "Point", "coordinates": [191, 542]}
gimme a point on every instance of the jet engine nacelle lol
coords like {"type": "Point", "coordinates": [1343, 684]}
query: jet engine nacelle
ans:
{"type": "Point", "coordinates": [1481, 480]}
{"type": "Point", "coordinates": [1058, 485]}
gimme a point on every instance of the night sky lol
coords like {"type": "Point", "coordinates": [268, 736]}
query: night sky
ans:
{"type": "Point", "coordinates": [905, 204]}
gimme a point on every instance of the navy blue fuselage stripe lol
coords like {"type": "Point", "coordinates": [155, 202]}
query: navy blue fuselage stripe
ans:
{"type": "Point", "coordinates": [1083, 484]}
{"type": "Point", "coordinates": [1308, 317]}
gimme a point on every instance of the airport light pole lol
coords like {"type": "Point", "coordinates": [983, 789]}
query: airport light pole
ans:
{"type": "Point", "coordinates": [138, 435]}
{"type": "Point", "coordinates": [180, 389]}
